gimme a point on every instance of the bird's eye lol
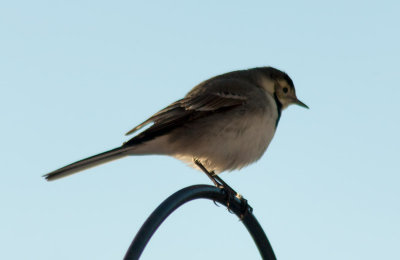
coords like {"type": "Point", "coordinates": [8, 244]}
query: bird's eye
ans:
{"type": "Point", "coordinates": [285, 90]}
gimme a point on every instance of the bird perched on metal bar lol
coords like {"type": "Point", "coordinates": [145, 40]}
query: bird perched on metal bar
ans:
{"type": "Point", "coordinates": [222, 124]}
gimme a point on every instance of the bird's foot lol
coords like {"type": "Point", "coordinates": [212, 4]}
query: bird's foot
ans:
{"type": "Point", "coordinates": [231, 194]}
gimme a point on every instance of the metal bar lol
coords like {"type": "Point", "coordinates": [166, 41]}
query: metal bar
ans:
{"type": "Point", "coordinates": [198, 192]}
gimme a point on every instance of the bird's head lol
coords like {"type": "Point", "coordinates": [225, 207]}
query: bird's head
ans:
{"type": "Point", "coordinates": [280, 86]}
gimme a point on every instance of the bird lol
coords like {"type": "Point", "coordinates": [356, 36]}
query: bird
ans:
{"type": "Point", "coordinates": [224, 123]}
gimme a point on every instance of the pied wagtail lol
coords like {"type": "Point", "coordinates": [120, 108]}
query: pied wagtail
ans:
{"type": "Point", "coordinates": [222, 124]}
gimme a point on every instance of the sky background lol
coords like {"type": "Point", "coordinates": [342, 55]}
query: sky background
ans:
{"type": "Point", "coordinates": [76, 75]}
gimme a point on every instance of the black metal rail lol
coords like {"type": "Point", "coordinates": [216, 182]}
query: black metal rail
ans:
{"type": "Point", "coordinates": [199, 192]}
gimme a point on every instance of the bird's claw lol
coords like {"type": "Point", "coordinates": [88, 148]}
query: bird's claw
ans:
{"type": "Point", "coordinates": [245, 208]}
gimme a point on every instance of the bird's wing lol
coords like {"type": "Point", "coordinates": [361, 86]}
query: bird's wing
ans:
{"type": "Point", "coordinates": [153, 117]}
{"type": "Point", "coordinates": [188, 109]}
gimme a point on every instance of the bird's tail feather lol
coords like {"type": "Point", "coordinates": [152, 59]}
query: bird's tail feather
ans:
{"type": "Point", "coordinates": [90, 162]}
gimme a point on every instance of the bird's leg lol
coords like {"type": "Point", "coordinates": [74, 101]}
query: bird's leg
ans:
{"type": "Point", "coordinates": [210, 175]}
{"type": "Point", "coordinates": [220, 183]}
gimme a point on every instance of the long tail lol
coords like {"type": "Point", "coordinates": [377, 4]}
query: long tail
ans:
{"type": "Point", "coordinates": [87, 163]}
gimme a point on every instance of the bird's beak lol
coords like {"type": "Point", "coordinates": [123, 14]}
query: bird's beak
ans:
{"type": "Point", "coordinates": [298, 102]}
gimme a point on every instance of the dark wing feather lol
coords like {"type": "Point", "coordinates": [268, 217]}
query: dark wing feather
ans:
{"type": "Point", "coordinates": [156, 115]}
{"type": "Point", "coordinates": [186, 110]}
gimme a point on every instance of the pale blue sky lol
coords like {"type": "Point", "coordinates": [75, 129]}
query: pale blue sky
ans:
{"type": "Point", "coordinates": [76, 75]}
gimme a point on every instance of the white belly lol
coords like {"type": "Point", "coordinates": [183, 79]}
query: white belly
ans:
{"type": "Point", "coordinates": [230, 145]}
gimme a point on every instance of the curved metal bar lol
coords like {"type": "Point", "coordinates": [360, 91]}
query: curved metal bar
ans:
{"type": "Point", "coordinates": [197, 192]}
